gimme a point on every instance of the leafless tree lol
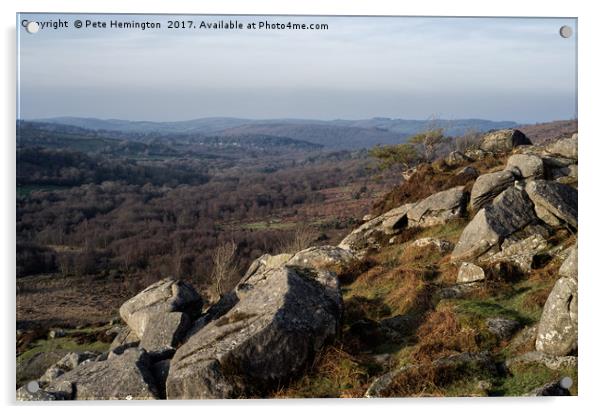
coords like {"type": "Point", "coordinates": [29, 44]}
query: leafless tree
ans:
{"type": "Point", "coordinates": [301, 239]}
{"type": "Point", "coordinates": [225, 268]}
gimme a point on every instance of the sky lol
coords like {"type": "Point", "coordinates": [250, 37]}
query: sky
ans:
{"type": "Point", "coordinates": [517, 69]}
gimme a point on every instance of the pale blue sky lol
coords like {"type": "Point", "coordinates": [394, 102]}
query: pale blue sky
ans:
{"type": "Point", "coordinates": [401, 67]}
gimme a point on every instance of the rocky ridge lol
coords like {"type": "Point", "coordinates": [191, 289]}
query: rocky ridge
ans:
{"type": "Point", "coordinates": [288, 308]}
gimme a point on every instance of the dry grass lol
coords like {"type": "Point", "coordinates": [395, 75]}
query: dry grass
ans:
{"type": "Point", "coordinates": [334, 373]}
{"type": "Point", "coordinates": [441, 334]}
{"type": "Point", "coordinates": [432, 178]}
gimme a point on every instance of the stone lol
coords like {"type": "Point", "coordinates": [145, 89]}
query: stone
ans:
{"type": "Point", "coordinates": [125, 376]}
{"type": "Point", "coordinates": [552, 362]}
{"type": "Point", "coordinates": [520, 253]}
{"type": "Point", "coordinates": [147, 314]}
{"type": "Point", "coordinates": [529, 166]}
{"type": "Point", "coordinates": [488, 186]}
{"type": "Point", "coordinates": [555, 203]}
{"type": "Point", "coordinates": [557, 331]}
{"type": "Point", "coordinates": [321, 258]}
{"type": "Point", "coordinates": [469, 172]}
{"type": "Point", "coordinates": [503, 328]}
{"type": "Point", "coordinates": [217, 310]}
{"type": "Point", "coordinates": [509, 212]}
{"type": "Point", "coordinates": [456, 158]}
{"type": "Point", "coordinates": [570, 266]}
{"type": "Point", "coordinates": [368, 217]}
{"type": "Point", "coordinates": [124, 339]}
{"type": "Point", "coordinates": [551, 389]}
{"type": "Point", "coordinates": [367, 235]}
{"type": "Point", "coordinates": [283, 318]}
{"type": "Point", "coordinates": [56, 333]}
{"type": "Point", "coordinates": [503, 140]}
{"type": "Point", "coordinates": [567, 148]}
{"type": "Point", "coordinates": [438, 208]}
{"type": "Point", "coordinates": [475, 153]}
{"type": "Point", "coordinates": [266, 261]}
{"type": "Point", "coordinates": [443, 246]}
{"type": "Point", "coordinates": [68, 363]}
{"type": "Point", "coordinates": [479, 364]}
{"type": "Point", "coordinates": [468, 273]}
{"type": "Point", "coordinates": [163, 333]}
{"type": "Point", "coordinates": [24, 394]}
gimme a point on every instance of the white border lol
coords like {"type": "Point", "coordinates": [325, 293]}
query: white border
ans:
{"type": "Point", "coordinates": [590, 131]}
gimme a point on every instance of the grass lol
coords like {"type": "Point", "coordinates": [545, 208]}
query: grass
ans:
{"type": "Point", "coordinates": [335, 373]}
{"type": "Point", "coordinates": [26, 190]}
{"type": "Point", "coordinates": [524, 378]}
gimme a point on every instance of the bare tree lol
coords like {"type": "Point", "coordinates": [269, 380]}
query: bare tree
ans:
{"type": "Point", "coordinates": [470, 140]}
{"type": "Point", "coordinates": [225, 268]}
{"type": "Point", "coordinates": [301, 239]}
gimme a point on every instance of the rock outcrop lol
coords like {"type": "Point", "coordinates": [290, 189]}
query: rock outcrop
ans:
{"type": "Point", "coordinates": [488, 186]}
{"type": "Point", "coordinates": [321, 258]}
{"type": "Point", "coordinates": [555, 203]}
{"type": "Point", "coordinates": [283, 318]}
{"type": "Point", "coordinates": [160, 315]}
{"type": "Point", "coordinates": [557, 331]}
{"type": "Point", "coordinates": [509, 212]}
{"type": "Point", "coordinates": [368, 234]}
{"type": "Point", "coordinates": [529, 166]}
{"type": "Point", "coordinates": [438, 208]}
{"type": "Point", "coordinates": [567, 148]}
{"type": "Point", "coordinates": [469, 272]}
{"type": "Point", "coordinates": [503, 140]}
{"type": "Point", "coordinates": [119, 377]}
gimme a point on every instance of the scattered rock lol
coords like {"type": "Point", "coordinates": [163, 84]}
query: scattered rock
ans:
{"type": "Point", "coordinates": [482, 363]}
{"type": "Point", "coordinates": [520, 253]}
{"type": "Point", "coordinates": [125, 376]}
{"type": "Point", "coordinates": [268, 337]}
{"type": "Point", "coordinates": [488, 186]}
{"type": "Point", "coordinates": [68, 363]}
{"type": "Point", "coordinates": [456, 158]}
{"type": "Point", "coordinates": [468, 273]}
{"type": "Point", "coordinates": [552, 389]}
{"type": "Point", "coordinates": [552, 362]}
{"type": "Point", "coordinates": [503, 140]}
{"type": "Point", "coordinates": [56, 333]}
{"type": "Point", "coordinates": [458, 291]}
{"type": "Point", "coordinates": [557, 332]}
{"type": "Point", "coordinates": [570, 266]}
{"type": "Point", "coordinates": [443, 246]}
{"type": "Point", "coordinates": [148, 314]}
{"type": "Point", "coordinates": [266, 261]}
{"type": "Point", "coordinates": [321, 258]}
{"type": "Point", "coordinates": [475, 153]}
{"type": "Point", "coordinates": [567, 148]}
{"type": "Point", "coordinates": [23, 394]}
{"type": "Point", "coordinates": [368, 217]}
{"type": "Point", "coordinates": [468, 171]}
{"type": "Point", "coordinates": [366, 236]}
{"type": "Point", "coordinates": [503, 328]}
{"type": "Point", "coordinates": [124, 339]}
{"type": "Point", "coordinates": [555, 203]}
{"type": "Point", "coordinates": [509, 212]}
{"type": "Point", "coordinates": [217, 310]}
{"type": "Point", "coordinates": [163, 333]}
{"type": "Point", "coordinates": [438, 208]}
{"type": "Point", "coordinates": [529, 166]}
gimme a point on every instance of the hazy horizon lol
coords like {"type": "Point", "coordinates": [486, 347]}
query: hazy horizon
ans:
{"type": "Point", "coordinates": [411, 68]}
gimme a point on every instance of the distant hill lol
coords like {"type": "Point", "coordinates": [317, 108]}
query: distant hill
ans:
{"type": "Point", "coordinates": [539, 133]}
{"type": "Point", "coordinates": [334, 134]}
